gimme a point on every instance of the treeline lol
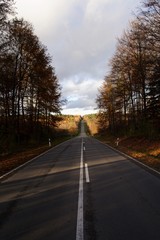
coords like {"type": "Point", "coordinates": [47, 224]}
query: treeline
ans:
{"type": "Point", "coordinates": [129, 99]}
{"type": "Point", "coordinates": [69, 125]}
{"type": "Point", "coordinates": [91, 124]}
{"type": "Point", "coordinates": [29, 88]}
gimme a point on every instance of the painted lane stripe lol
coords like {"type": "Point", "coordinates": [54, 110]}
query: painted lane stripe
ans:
{"type": "Point", "coordinates": [87, 173]}
{"type": "Point", "coordinates": [84, 148]}
{"type": "Point", "coordinates": [79, 231]}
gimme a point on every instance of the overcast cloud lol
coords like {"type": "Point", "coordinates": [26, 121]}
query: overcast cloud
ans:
{"type": "Point", "coordinates": [81, 36]}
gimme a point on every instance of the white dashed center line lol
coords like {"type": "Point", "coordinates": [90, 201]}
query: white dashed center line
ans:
{"type": "Point", "coordinates": [79, 232]}
{"type": "Point", "coordinates": [87, 173]}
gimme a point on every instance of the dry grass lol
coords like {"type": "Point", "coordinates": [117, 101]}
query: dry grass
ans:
{"type": "Point", "coordinates": [9, 162]}
{"type": "Point", "coordinates": [144, 150]}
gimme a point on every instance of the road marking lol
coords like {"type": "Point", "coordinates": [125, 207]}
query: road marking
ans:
{"type": "Point", "coordinates": [6, 175]}
{"type": "Point", "coordinates": [84, 146]}
{"type": "Point", "coordinates": [79, 232]}
{"type": "Point", "coordinates": [87, 173]}
{"type": "Point", "coordinates": [131, 158]}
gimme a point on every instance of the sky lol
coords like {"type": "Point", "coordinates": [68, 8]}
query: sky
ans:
{"type": "Point", "coordinates": [81, 37]}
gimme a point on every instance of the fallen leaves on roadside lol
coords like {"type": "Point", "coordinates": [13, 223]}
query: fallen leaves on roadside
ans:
{"type": "Point", "coordinates": [9, 162]}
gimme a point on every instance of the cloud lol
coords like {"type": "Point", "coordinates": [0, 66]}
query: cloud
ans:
{"type": "Point", "coordinates": [81, 36]}
{"type": "Point", "coordinates": [81, 94]}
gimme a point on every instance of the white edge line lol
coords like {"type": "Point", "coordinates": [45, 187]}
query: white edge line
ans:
{"type": "Point", "coordinates": [79, 230]}
{"type": "Point", "coordinates": [129, 157]}
{"type": "Point", "coordinates": [87, 173]}
{"type": "Point", "coordinates": [3, 177]}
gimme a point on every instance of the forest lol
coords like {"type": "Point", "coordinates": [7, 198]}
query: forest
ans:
{"type": "Point", "coordinates": [30, 93]}
{"type": "Point", "coordinates": [29, 88]}
{"type": "Point", "coordinates": [129, 99]}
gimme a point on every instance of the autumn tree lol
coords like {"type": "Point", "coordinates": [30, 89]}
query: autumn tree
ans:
{"type": "Point", "coordinates": [106, 104]}
{"type": "Point", "coordinates": [29, 89]}
{"type": "Point", "coordinates": [131, 89]}
{"type": "Point", "coordinates": [150, 23]}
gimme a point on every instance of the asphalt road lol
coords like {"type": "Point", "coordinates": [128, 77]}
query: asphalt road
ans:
{"type": "Point", "coordinates": [81, 190]}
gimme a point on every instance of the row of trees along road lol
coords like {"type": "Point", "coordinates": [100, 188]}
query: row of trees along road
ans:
{"type": "Point", "coordinates": [129, 99]}
{"type": "Point", "coordinates": [29, 88]}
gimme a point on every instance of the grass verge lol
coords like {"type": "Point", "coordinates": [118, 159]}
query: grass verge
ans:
{"type": "Point", "coordinates": [144, 150]}
{"type": "Point", "coordinates": [11, 161]}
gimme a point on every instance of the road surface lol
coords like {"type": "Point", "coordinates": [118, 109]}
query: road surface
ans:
{"type": "Point", "coordinates": [80, 190]}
